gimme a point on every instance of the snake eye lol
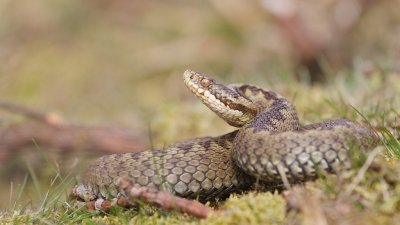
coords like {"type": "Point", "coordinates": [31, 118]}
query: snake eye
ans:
{"type": "Point", "coordinates": [205, 82]}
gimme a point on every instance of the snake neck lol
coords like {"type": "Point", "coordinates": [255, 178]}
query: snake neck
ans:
{"type": "Point", "coordinates": [280, 116]}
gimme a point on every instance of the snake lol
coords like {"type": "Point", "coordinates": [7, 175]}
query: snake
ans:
{"type": "Point", "coordinates": [270, 146]}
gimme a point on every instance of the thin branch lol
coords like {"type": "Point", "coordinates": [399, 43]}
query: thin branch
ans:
{"type": "Point", "coordinates": [54, 132]}
{"type": "Point", "coordinates": [164, 200]}
{"type": "Point", "coordinates": [47, 118]}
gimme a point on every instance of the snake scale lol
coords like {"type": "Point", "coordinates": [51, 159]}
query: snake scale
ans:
{"type": "Point", "coordinates": [271, 146]}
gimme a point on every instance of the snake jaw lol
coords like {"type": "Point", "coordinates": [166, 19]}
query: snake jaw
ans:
{"type": "Point", "coordinates": [224, 101]}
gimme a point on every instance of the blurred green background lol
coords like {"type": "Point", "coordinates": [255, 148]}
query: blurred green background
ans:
{"type": "Point", "coordinates": [120, 63]}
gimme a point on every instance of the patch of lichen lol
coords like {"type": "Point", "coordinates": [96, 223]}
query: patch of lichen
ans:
{"type": "Point", "coordinates": [252, 208]}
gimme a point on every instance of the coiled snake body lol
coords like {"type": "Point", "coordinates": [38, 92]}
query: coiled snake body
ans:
{"type": "Point", "coordinates": [270, 146]}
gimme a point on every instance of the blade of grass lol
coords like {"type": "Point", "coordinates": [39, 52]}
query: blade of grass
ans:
{"type": "Point", "coordinates": [20, 192]}
{"type": "Point", "coordinates": [391, 143]}
{"type": "Point", "coordinates": [11, 194]}
{"type": "Point", "coordinates": [34, 178]}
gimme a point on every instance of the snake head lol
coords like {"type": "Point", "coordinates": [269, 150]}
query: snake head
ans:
{"type": "Point", "coordinates": [226, 102]}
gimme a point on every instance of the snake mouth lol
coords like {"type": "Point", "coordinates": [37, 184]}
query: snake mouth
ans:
{"type": "Point", "coordinates": [224, 101]}
{"type": "Point", "coordinates": [202, 86]}
{"type": "Point", "coordinates": [210, 92]}
{"type": "Point", "coordinates": [191, 80]}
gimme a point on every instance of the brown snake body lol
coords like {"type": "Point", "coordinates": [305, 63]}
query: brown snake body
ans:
{"type": "Point", "coordinates": [271, 146]}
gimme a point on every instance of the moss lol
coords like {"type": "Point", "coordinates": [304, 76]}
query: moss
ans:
{"type": "Point", "coordinates": [253, 208]}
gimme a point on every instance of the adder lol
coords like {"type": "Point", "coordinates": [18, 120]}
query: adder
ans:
{"type": "Point", "coordinates": [269, 147]}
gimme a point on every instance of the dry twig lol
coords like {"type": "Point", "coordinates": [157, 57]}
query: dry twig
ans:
{"type": "Point", "coordinates": [52, 131]}
{"type": "Point", "coordinates": [164, 200]}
